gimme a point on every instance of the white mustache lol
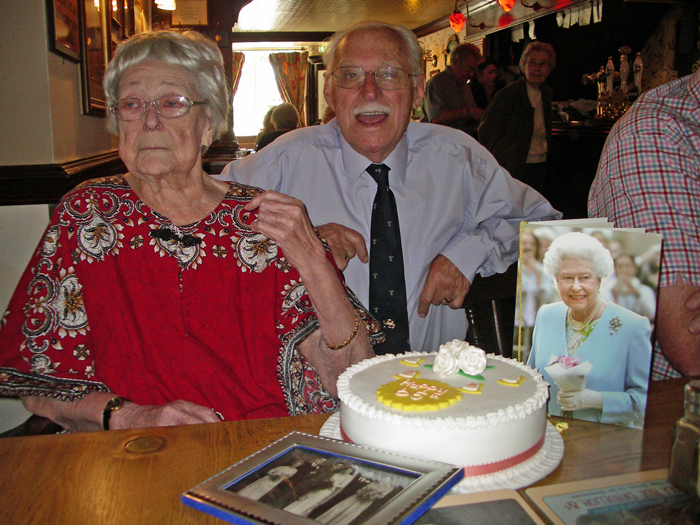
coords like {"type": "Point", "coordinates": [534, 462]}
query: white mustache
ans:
{"type": "Point", "coordinates": [371, 107]}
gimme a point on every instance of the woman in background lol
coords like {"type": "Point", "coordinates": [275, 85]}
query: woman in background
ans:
{"type": "Point", "coordinates": [517, 125]}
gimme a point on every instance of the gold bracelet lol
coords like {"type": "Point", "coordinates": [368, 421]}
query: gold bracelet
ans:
{"type": "Point", "coordinates": [352, 336]}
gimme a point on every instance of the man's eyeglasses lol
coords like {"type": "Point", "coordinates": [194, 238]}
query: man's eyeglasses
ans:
{"type": "Point", "coordinates": [542, 63]}
{"type": "Point", "coordinates": [350, 77]}
{"type": "Point", "coordinates": [168, 106]}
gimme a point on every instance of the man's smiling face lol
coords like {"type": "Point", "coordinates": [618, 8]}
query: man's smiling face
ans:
{"type": "Point", "coordinates": [373, 120]}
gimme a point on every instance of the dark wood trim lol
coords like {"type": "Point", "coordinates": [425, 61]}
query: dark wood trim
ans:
{"type": "Point", "coordinates": [47, 183]}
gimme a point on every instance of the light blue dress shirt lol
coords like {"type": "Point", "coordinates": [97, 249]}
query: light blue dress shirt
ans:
{"type": "Point", "coordinates": [451, 195]}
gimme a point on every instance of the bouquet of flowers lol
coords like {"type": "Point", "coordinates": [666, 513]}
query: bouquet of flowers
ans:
{"type": "Point", "coordinates": [569, 374]}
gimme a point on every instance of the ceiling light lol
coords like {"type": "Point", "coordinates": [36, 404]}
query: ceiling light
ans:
{"type": "Point", "coordinates": [166, 5]}
{"type": "Point", "coordinates": [506, 5]}
{"type": "Point", "coordinates": [457, 19]}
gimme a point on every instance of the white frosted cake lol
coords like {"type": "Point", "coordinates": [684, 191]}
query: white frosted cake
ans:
{"type": "Point", "coordinates": [458, 406]}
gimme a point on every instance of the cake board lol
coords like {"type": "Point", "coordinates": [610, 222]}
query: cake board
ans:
{"type": "Point", "coordinates": [519, 476]}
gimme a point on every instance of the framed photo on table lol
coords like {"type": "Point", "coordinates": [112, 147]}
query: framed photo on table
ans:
{"type": "Point", "coordinates": [305, 479]}
{"type": "Point", "coordinates": [63, 20]}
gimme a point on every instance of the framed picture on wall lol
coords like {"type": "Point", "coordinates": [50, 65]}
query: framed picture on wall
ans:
{"type": "Point", "coordinates": [63, 17]}
{"type": "Point", "coordinates": [96, 52]}
{"type": "Point", "coordinates": [190, 13]}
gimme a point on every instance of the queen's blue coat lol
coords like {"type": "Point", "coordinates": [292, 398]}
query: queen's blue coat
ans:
{"type": "Point", "coordinates": [621, 359]}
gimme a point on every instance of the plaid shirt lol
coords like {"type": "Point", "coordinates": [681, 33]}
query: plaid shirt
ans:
{"type": "Point", "coordinates": [649, 177]}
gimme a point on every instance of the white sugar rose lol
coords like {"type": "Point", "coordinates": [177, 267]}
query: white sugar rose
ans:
{"type": "Point", "coordinates": [472, 360]}
{"type": "Point", "coordinates": [445, 362]}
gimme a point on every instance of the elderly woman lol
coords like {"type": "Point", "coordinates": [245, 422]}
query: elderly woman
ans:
{"type": "Point", "coordinates": [165, 297]}
{"type": "Point", "coordinates": [582, 328]}
{"type": "Point", "coordinates": [517, 124]}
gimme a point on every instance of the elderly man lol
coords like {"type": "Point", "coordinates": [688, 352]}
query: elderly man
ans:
{"type": "Point", "coordinates": [649, 177]}
{"type": "Point", "coordinates": [459, 211]}
{"type": "Point", "coordinates": [448, 98]}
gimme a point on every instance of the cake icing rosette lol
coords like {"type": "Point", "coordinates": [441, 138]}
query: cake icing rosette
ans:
{"type": "Point", "coordinates": [459, 355]}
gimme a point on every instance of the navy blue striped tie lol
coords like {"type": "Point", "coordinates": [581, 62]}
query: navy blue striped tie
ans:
{"type": "Point", "coordinates": [387, 285]}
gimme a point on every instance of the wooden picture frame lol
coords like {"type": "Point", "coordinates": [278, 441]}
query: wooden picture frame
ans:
{"type": "Point", "coordinates": [64, 23]}
{"type": "Point", "coordinates": [315, 102]}
{"type": "Point", "coordinates": [95, 54]}
{"type": "Point", "coordinates": [304, 479]}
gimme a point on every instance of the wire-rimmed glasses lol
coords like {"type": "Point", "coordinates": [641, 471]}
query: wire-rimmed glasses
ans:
{"type": "Point", "coordinates": [167, 106]}
{"type": "Point", "coordinates": [351, 77]}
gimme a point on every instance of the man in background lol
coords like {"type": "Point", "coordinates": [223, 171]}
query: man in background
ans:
{"type": "Point", "coordinates": [649, 177]}
{"type": "Point", "coordinates": [448, 98]}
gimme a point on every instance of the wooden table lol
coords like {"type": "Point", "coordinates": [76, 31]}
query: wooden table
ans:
{"type": "Point", "coordinates": [90, 478]}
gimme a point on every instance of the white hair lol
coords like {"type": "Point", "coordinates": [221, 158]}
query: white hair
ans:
{"type": "Point", "coordinates": [414, 53]}
{"type": "Point", "coordinates": [576, 245]}
{"type": "Point", "coordinates": [198, 55]}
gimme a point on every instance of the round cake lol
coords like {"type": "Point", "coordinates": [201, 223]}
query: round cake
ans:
{"type": "Point", "coordinates": [457, 406]}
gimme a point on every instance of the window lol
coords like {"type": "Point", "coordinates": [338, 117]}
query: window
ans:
{"type": "Point", "coordinates": [257, 93]}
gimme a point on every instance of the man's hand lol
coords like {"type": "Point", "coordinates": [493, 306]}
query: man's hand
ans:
{"type": "Point", "coordinates": [344, 243]}
{"type": "Point", "coordinates": [445, 284]}
{"type": "Point", "coordinates": [678, 326]}
{"type": "Point", "coordinates": [692, 304]}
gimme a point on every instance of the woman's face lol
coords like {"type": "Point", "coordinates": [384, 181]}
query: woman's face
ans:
{"type": "Point", "coordinates": [529, 246]}
{"type": "Point", "coordinates": [153, 146]}
{"type": "Point", "coordinates": [537, 67]}
{"type": "Point", "coordinates": [487, 77]}
{"type": "Point", "coordinates": [578, 285]}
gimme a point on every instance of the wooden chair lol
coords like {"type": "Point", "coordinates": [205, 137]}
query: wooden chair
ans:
{"type": "Point", "coordinates": [490, 310]}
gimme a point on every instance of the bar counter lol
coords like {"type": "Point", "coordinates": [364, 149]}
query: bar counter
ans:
{"type": "Point", "coordinates": [137, 476]}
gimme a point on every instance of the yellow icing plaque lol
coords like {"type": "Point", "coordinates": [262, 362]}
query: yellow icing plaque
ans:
{"type": "Point", "coordinates": [411, 395]}
{"type": "Point", "coordinates": [472, 388]}
{"type": "Point", "coordinates": [511, 381]}
{"type": "Point", "coordinates": [412, 361]}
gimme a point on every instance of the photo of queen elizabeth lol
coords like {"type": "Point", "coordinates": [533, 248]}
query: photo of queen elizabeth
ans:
{"type": "Point", "coordinates": [594, 353]}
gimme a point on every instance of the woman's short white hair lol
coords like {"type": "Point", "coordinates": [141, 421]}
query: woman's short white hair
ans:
{"type": "Point", "coordinates": [576, 245]}
{"type": "Point", "coordinates": [197, 55]}
{"type": "Point", "coordinates": [414, 53]}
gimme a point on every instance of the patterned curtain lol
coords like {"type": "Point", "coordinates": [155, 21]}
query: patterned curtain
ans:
{"type": "Point", "coordinates": [238, 60]}
{"type": "Point", "coordinates": [290, 73]}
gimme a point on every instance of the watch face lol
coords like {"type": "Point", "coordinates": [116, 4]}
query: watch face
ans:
{"type": "Point", "coordinates": [116, 403]}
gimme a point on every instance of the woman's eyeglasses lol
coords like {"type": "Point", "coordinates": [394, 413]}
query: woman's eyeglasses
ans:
{"type": "Point", "coordinates": [168, 106]}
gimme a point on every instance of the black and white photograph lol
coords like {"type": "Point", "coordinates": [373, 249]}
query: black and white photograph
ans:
{"type": "Point", "coordinates": [302, 477]}
{"type": "Point", "coordinates": [326, 488]}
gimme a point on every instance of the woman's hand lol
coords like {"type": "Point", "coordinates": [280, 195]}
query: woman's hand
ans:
{"type": "Point", "coordinates": [580, 400]}
{"type": "Point", "coordinates": [174, 413]}
{"type": "Point", "coordinates": [284, 220]}
{"type": "Point", "coordinates": [85, 414]}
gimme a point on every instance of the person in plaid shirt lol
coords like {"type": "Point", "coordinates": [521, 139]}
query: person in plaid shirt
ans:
{"type": "Point", "coordinates": [649, 177]}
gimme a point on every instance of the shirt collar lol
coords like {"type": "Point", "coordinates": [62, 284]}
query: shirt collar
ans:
{"type": "Point", "coordinates": [355, 164]}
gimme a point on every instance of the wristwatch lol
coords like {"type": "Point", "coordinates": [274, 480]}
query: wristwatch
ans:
{"type": "Point", "coordinates": [113, 405]}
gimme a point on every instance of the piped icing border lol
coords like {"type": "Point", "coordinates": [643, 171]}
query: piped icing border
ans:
{"type": "Point", "coordinates": [492, 419]}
